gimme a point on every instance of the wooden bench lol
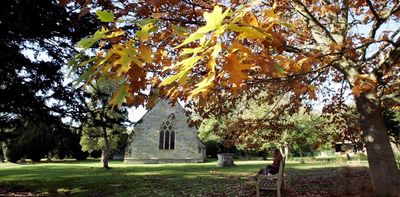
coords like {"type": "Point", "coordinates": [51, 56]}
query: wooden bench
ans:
{"type": "Point", "coordinates": [272, 182]}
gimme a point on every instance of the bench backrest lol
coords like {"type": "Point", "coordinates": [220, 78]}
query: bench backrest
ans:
{"type": "Point", "coordinates": [281, 167]}
{"type": "Point", "coordinates": [274, 182]}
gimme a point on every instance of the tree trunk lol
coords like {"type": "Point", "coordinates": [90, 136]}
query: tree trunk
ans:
{"type": "Point", "coordinates": [1, 154]}
{"type": "Point", "coordinates": [49, 156]}
{"type": "Point", "coordinates": [105, 152]}
{"type": "Point", "coordinates": [301, 156]}
{"type": "Point", "coordinates": [383, 170]}
{"type": "Point", "coordinates": [286, 152]}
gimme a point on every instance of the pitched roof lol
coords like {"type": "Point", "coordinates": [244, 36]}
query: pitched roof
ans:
{"type": "Point", "coordinates": [158, 101]}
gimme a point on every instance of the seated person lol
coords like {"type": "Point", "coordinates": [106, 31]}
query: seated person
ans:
{"type": "Point", "coordinates": [274, 168]}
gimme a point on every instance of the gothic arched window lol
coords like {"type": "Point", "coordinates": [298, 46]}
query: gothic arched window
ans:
{"type": "Point", "coordinates": [167, 134]}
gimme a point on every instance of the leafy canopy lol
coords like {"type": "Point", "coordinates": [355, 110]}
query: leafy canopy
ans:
{"type": "Point", "coordinates": [224, 51]}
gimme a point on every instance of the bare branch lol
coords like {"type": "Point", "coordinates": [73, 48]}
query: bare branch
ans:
{"type": "Point", "coordinates": [194, 12]}
{"type": "Point", "coordinates": [292, 49]}
{"type": "Point", "coordinates": [287, 78]}
{"type": "Point", "coordinates": [395, 33]}
{"type": "Point", "coordinates": [275, 105]}
{"type": "Point", "coordinates": [197, 4]}
{"type": "Point", "coordinates": [182, 21]}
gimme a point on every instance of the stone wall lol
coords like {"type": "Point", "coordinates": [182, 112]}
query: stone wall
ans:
{"type": "Point", "coordinates": [143, 145]}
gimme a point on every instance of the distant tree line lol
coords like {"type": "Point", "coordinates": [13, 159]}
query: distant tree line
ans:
{"type": "Point", "coordinates": [306, 134]}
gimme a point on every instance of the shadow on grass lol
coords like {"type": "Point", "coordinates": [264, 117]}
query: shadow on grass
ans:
{"type": "Point", "coordinates": [329, 181]}
{"type": "Point", "coordinates": [205, 179]}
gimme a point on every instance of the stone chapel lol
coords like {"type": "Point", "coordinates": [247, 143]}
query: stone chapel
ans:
{"type": "Point", "coordinates": [162, 135]}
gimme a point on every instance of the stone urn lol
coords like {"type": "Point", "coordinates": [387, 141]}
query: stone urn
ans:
{"type": "Point", "coordinates": [225, 160]}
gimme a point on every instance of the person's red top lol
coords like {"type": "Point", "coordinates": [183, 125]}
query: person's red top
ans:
{"type": "Point", "coordinates": [277, 159]}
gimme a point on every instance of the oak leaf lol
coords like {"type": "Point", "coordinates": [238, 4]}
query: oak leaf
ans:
{"type": "Point", "coordinates": [86, 43]}
{"type": "Point", "coordinates": [146, 53]}
{"type": "Point", "coordinates": [203, 86]}
{"type": "Point", "coordinates": [236, 68]}
{"type": "Point", "coordinates": [127, 54]}
{"type": "Point", "coordinates": [119, 96]}
{"type": "Point", "coordinates": [105, 16]}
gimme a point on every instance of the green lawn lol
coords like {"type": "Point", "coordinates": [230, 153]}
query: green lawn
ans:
{"type": "Point", "coordinates": [87, 178]}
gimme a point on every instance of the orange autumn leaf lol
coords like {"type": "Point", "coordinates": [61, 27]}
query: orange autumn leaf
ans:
{"type": "Point", "coordinates": [236, 69]}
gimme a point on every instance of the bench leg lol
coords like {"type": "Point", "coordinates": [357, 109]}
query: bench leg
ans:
{"type": "Point", "coordinates": [258, 190]}
{"type": "Point", "coordinates": [278, 192]}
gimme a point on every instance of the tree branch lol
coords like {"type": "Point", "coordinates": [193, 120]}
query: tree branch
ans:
{"type": "Point", "coordinates": [183, 21]}
{"type": "Point", "coordinates": [287, 78]}
{"type": "Point", "coordinates": [371, 7]}
{"type": "Point", "coordinates": [378, 22]}
{"type": "Point", "coordinates": [315, 20]}
{"type": "Point", "coordinates": [196, 4]}
{"type": "Point", "coordinates": [394, 10]}
{"type": "Point", "coordinates": [345, 11]}
{"type": "Point", "coordinates": [392, 57]}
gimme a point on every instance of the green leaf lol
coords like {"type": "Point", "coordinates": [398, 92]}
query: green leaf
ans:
{"type": "Point", "coordinates": [189, 62]}
{"type": "Point", "coordinates": [204, 85]}
{"type": "Point", "coordinates": [184, 67]}
{"type": "Point", "coordinates": [74, 62]}
{"type": "Point", "coordinates": [279, 69]}
{"type": "Point", "coordinates": [188, 51]}
{"type": "Point", "coordinates": [116, 34]}
{"type": "Point", "coordinates": [169, 80]}
{"type": "Point", "coordinates": [119, 96]}
{"type": "Point", "coordinates": [179, 30]}
{"type": "Point", "coordinates": [85, 76]}
{"type": "Point", "coordinates": [191, 38]}
{"type": "Point", "coordinates": [217, 50]}
{"type": "Point", "coordinates": [214, 19]}
{"type": "Point", "coordinates": [86, 43]}
{"type": "Point", "coordinates": [145, 21]}
{"type": "Point", "coordinates": [178, 77]}
{"type": "Point", "coordinates": [247, 32]}
{"type": "Point", "coordinates": [144, 33]}
{"type": "Point", "coordinates": [127, 53]}
{"type": "Point", "coordinates": [214, 22]}
{"type": "Point", "coordinates": [105, 16]}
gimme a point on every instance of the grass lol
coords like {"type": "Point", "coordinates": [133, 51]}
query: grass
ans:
{"type": "Point", "coordinates": [87, 178]}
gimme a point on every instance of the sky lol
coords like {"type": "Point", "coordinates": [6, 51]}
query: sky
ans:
{"type": "Point", "coordinates": [135, 114]}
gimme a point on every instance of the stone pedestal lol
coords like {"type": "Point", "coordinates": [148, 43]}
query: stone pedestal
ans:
{"type": "Point", "coordinates": [225, 160]}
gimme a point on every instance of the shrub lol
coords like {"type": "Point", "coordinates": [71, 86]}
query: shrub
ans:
{"type": "Point", "coordinates": [35, 156]}
{"type": "Point", "coordinates": [95, 154]}
{"type": "Point", "coordinates": [213, 148]}
{"type": "Point", "coordinates": [13, 153]}
{"type": "Point", "coordinates": [80, 155]}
